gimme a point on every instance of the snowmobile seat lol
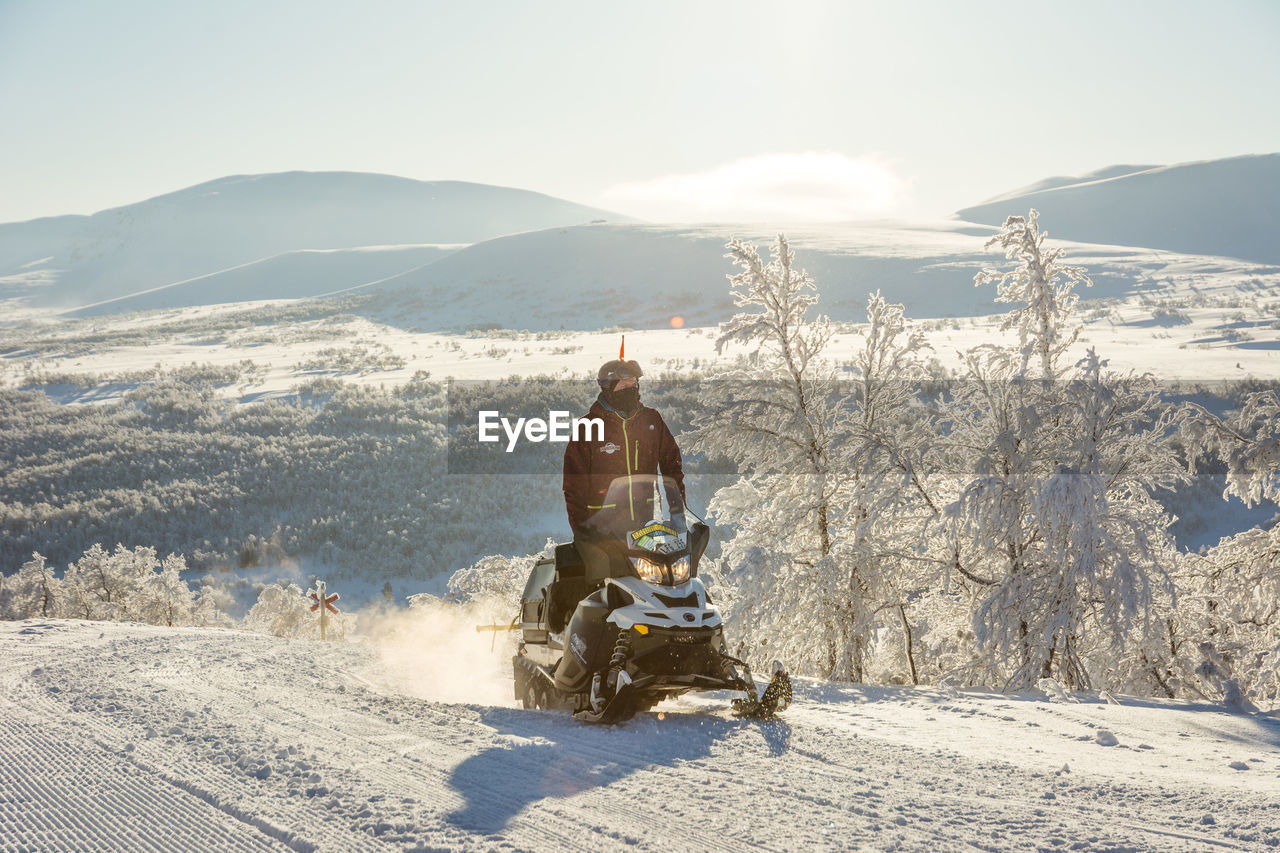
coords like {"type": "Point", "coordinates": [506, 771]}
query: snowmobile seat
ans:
{"type": "Point", "coordinates": [569, 588]}
{"type": "Point", "coordinates": [568, 561]}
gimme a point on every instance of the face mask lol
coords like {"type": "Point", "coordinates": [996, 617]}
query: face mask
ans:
{"type": "Point", "coordinates": [626, 401]}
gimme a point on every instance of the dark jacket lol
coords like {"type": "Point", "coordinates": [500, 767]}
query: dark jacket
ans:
{"type": "Point", "coordinates": [640, 444]}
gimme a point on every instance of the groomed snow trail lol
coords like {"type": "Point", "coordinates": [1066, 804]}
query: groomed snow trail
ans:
{"type": "Point", "coordinates": [129, 737]}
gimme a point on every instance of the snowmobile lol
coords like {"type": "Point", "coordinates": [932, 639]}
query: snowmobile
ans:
{"type": "Point", "coordinates": [617, 621]}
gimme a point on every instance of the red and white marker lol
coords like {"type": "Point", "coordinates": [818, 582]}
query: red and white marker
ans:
{"type": "Point", "coordinates": [328, 603]}
{"type": "Point", "coordinates": [318, 596]}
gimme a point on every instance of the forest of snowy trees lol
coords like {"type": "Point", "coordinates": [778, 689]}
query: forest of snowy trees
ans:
{"type": "Point", "coordinates": [135, 585]}
{"type": "Point", "coordinates": [877, 520]}
{"type": "Point", "coordinates": [1000, 528]}
{"type": "Point", "coordinates": [348, 476]}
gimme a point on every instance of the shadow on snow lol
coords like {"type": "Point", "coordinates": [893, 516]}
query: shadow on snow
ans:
{"type": "Point", "coordinates": [569, 757]}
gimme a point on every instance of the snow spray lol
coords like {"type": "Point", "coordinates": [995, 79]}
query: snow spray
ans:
{"type": "Point", "coordinates": [432, 651]}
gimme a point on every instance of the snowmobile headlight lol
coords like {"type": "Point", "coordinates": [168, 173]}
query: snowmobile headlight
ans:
{"type": "Point", "coordinates": [648, 570]}
{"type": "Point", "coordinates": [663, 574]}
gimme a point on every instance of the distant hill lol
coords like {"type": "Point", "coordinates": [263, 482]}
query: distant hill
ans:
{"type": "Point", "coordinates": [453, 256]}
{"type": "Point", "coordinates": [71, 261]}
{"type": "Point", "coordinates": [290, 275]}
{"type": "Point", "coordinates": [640, 276]}
{"type": "Point", "coordinates": [1225, 207]}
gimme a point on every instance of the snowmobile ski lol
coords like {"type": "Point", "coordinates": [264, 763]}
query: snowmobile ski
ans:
{"type": "Point", "coordinates": [619, 708]}
{"type": "Point", "coordinates": [776, 698]}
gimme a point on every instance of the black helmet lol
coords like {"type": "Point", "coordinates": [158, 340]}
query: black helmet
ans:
{"type": "Point", "coordinates": [611, 371]}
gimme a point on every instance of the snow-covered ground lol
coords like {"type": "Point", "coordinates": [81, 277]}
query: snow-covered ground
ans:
{"type": "Point", "coordinates": [1195, 343]}
{"type": "Point", "coordinates": [128, 737]}
{"type": "Point", "coordinates": [1177, 316]}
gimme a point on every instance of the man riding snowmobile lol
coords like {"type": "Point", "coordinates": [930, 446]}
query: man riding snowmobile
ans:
{"type": "Point", "coordinates": [618, 620]}
{"type": "Point", "coordinates": [636, 441]}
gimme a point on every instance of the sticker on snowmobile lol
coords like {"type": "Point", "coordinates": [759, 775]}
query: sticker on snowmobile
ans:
{"type": "Point", "coordinates": [657, 537]}
{"type": "Point", "coordinates": [656, 527]}
{"type": "Point", "coordinates": [610, 448]}
{"type": "Point", "coordinates": [579, 647]}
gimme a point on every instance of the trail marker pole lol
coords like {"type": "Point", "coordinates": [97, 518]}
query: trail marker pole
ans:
{"type": "Point", "coordinates": [324, 604]}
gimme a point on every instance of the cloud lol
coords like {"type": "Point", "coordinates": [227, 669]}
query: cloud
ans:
{"type": "Point", "coordinates": [812, 186]}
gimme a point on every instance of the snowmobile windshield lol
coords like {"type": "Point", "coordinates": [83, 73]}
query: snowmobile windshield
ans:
{"type": "Point", "coordinates": [646, 512]}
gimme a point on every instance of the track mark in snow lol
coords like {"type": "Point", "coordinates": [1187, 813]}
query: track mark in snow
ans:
{"type": "Point", "coordinates": [61, 792]}
{"type": "Point", "coordinates": [284, 836]}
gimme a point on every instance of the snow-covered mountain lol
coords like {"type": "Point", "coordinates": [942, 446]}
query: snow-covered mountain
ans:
{"type": "Point", "coordinates": [209, 229]}
{"type": "Point", "coordinates": [1228, 207]}
{"type": "Point", "coordinates": [640, 276]}
{"type": "Point", "coordinates": [296, 274]}
{"type": "Point", "coordinates": [449, 255]}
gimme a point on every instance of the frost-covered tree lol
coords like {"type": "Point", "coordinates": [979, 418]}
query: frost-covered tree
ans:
{"type": "Point", "coordinates": [887, 493]}
{"type": "Point", "coordinates": [1222, 641]}
{"type": "Point", "coordinates": [134, 585]}
{"type": "Point", "coordinates": [108, 585]}
{"type": "Point", "coordinates": [165, 598]}
{"type": "Point", "coordinates": [1248, 441]}
{"type": "Point", "coordinates": [210, 607]}
{"type": "Point", "coordinates": [774, 414]}
{"type": "Point", "coordinates": [492, 585]}
{"type": "Point", "coordinates": [282, 610]}
{"type": "Point", "coordinates": [1045, 287]}
{"type": "Point", "coordinates": [1081, 542]}
{"type": "Point", "coordinates": [34, 590]}
{"type": "Point", "coordinates": [820, 468]}
{"type": "Point", "coordinates": [1055, 533]}
{"type": "Point", "coordinates": [119, 585]}
{"type": "Point", "coordinates": [494, 577]}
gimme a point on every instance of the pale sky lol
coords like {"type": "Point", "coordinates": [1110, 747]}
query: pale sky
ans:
{"type": "Point", "coordinates": [676, 111]}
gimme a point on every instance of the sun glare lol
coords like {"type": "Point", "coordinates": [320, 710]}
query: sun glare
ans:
{"type": "Point", "coordinates": [812, 186]}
